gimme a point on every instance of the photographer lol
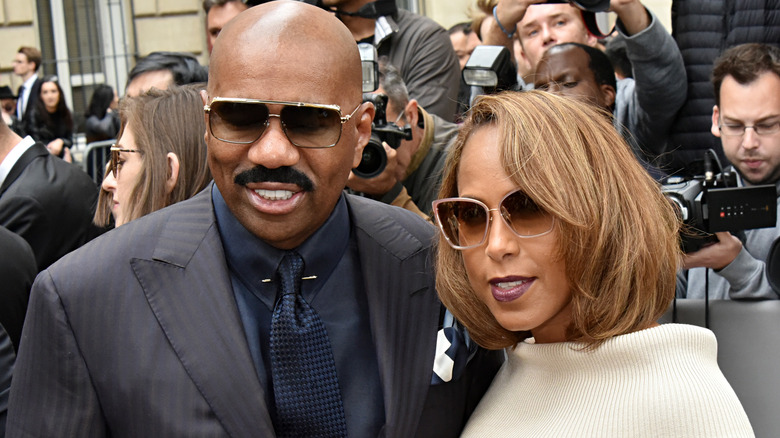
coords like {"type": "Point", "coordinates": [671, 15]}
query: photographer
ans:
{"type": "Point", "coordinates": [746, 118]}
{"type": "Point", "coordinates": [416, 166]}
{"type": "Point", "coordinates": [583, 72]}
{"type": "Point", "coordinates": [416, 45]}
{"type": "Point", "coordinates": [646, 103]}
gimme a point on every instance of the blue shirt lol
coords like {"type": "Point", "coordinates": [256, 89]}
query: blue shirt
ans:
{"type": "Point", "coordinates": [336, 294]}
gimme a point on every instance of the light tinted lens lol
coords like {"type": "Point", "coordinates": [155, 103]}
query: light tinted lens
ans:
{"type": "Point", "coordinates": [733, 130]}
{"type": "Point", "coordinates": [114, 161]}
{"type": "Point", "coordinates": [311, 127]}
{"type": "Point", "coordinates": [238, 122]}
{"type": "Point", "coordinates": [464, 223]}
{"type": "Point", "coordinates": [523, 216]}
{"type": "Point", "coordinates": [767, 128]}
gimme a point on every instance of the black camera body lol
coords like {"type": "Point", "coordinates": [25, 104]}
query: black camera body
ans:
{"type": "Point", "coordinates": [714, 203]}
{"type": "Point", "coordinates": [586, 5]}
{"type": "Point", "coordinates": [374, 158]}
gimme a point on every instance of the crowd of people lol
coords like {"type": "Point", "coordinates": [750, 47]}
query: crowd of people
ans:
{"type": "Point", "coordinates": [232, 275]}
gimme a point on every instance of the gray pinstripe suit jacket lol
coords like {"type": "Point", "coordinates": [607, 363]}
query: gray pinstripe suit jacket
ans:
{"type": "Point", "coordinates": [137, 334]}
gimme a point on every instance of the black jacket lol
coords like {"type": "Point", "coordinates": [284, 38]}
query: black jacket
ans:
{"type": "Point", "coordinates": [50, 203]}
{"type": "Point", "coordinates": [703, 30]}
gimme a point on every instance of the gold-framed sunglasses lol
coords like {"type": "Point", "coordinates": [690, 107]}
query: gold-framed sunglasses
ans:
{"type": "Point", "coordinates": [115, 158]}
{"type": "Point", "coordinates": [306, 125]}
{"type": "Point", "coordinates": [465, 222]}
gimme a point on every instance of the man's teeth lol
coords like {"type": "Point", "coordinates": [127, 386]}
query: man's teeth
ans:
{"type": "Point", "coordinates": [510, 284]}
{"type": "Point", "coordinates": [275, 195]}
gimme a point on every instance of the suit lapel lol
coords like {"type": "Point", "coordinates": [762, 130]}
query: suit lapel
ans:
{"type": "Point", "coordinates": [188, 288]}
{"type": "Point", "coordinates": [403, 310]}
{"type": "Point", "coordinates": [27, 157]}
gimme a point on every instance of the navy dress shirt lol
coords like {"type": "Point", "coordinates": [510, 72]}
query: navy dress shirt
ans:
{"type": "Point", "coordinates": [336, 294]}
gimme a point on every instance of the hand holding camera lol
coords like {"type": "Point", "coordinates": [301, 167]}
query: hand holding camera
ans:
{"type": "Point", "coordinates": [383, 182]}
{"type": "Point", "coordinates": [383, 134]}
{"type": "Point", "coordinates": [717, 255]}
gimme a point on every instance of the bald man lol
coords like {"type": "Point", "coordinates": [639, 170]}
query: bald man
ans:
{"type": "Point", "coordinates": [271, 304]}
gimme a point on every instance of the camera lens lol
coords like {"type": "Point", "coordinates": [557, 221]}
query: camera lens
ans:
{"type": "Point", "coordinates": [374, 159]}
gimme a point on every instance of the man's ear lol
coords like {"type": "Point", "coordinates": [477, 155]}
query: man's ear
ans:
{"type": "Point", "coordinates": [592, 40]}
{"type": "Point", "coordinates": [608, 94]}
{"type": "Point", "coordinates": [365, 117]}
{"type": "Point", "coordinates": [204, 96]}
{"type": "Point", "coordinates": [173, 172]}
{"type": "Point", "coordinates": [715, 121]}
{"type": "Point", "coordinates": [411, 112]}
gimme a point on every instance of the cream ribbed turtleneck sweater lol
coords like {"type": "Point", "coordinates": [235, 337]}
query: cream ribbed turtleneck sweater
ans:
{"type": "Point", "coordinates": [659, 382]}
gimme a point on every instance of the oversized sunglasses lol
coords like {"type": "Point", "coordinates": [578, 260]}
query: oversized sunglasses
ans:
{"type": "Point", "coordinates": [306, 125]}
{"type": "Point", "coordinates": [465, 222]}
{"type": "Point", "coordinates": [115, 158]}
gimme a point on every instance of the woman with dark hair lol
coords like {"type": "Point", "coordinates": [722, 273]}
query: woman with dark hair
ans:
{"type": "Point", "coordinates": [557, 246]}
{"type": "Point", "coordinates": [160, 155]}
{"type": "Point", "coordinates": [52, 122]}
{"type": "Point", "coordinates": [102, 118]}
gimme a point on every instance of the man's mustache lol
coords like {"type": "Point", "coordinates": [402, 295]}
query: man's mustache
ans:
{"type": "Point", "coordinates": [285, 175]}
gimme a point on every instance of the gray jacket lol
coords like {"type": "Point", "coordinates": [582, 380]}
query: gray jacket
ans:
{"type": "Point", "coordinates": [645, 106]}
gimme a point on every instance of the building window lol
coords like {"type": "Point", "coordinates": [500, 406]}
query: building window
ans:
{"type": "Point", "coordinates": [84, 43]}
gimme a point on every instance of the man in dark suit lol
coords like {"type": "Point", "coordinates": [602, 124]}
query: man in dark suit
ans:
{"type": "Point", "coordinates": [26, 64]}
{"type": "Point", "coordinates": [17, 271]}
{"type": "Point", "coordinates": [45, 200]}
{"type": "Point", "coordinates": [179, 323]}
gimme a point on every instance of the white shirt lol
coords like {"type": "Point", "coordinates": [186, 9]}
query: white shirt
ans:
{"type": "Point", "coordinates": [13, 156]}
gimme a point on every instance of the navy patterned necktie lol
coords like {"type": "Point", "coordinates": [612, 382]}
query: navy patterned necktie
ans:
{"type": "Point", "coordinates": [306, 388]}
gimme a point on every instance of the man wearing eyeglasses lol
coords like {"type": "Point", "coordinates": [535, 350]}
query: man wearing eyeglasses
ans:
{"type": "Point", "coordinates": [746, 117]}
{"type": "Point", "coordinates": [272, 303]}
{"type": "Point", "coordinates": [417, 164]}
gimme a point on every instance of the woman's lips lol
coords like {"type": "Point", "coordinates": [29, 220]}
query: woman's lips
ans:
{"type": "Point", "coordinates": [510, 288]}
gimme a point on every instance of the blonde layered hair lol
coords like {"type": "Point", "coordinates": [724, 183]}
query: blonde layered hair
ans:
{"type": "Point", "coordinates": [617, 234]}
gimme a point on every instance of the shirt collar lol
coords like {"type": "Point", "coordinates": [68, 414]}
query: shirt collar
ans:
{"type": "Point", "coordinates": [425, 144]}
{"type": "Point", "coordinates": [741, 182]}
{"type": "Point", "coordinates": [384, 28]}
{"type": "Point", "coordinates": [253, 261]}
{"type": "Point", "coordinates": [29, 82]}
{"type": "Point", "coordinates": [13, 156]}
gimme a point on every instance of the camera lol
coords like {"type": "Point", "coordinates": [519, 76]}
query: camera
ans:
{"type": "Point", "coordinates": [586, 5]}
{"type": "Point", "coordinates": [597, 20]}
{"type": "Point", "coordinates": [374, 158]}
{"type": "Point", "coordinates": [713, 202]}
{"type": "Point", "coordinates": [491, 68]}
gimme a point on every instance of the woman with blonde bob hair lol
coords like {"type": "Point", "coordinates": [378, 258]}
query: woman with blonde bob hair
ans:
{"type": "Point", "coordinates": [557, 245]}
{"type": "Point", "coordinates": [159, 158]}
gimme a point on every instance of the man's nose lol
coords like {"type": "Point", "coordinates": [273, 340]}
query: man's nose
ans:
{"type": "Point", "coordinates": [750, 139]}
{"type": "Point", "coordinates": [547, 35]}
{"type": "Point", "coordinates": [273, 149]}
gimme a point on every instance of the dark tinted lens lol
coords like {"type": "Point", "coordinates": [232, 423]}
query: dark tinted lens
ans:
{"type": "Point", "coordinates": [464, 222]}
{"type": "Point", "coordinates": [237, 121]}
{"type": "Point", "coordinates": [311, 127]}
{"type": "Point", "coordinates": [524, 216]}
